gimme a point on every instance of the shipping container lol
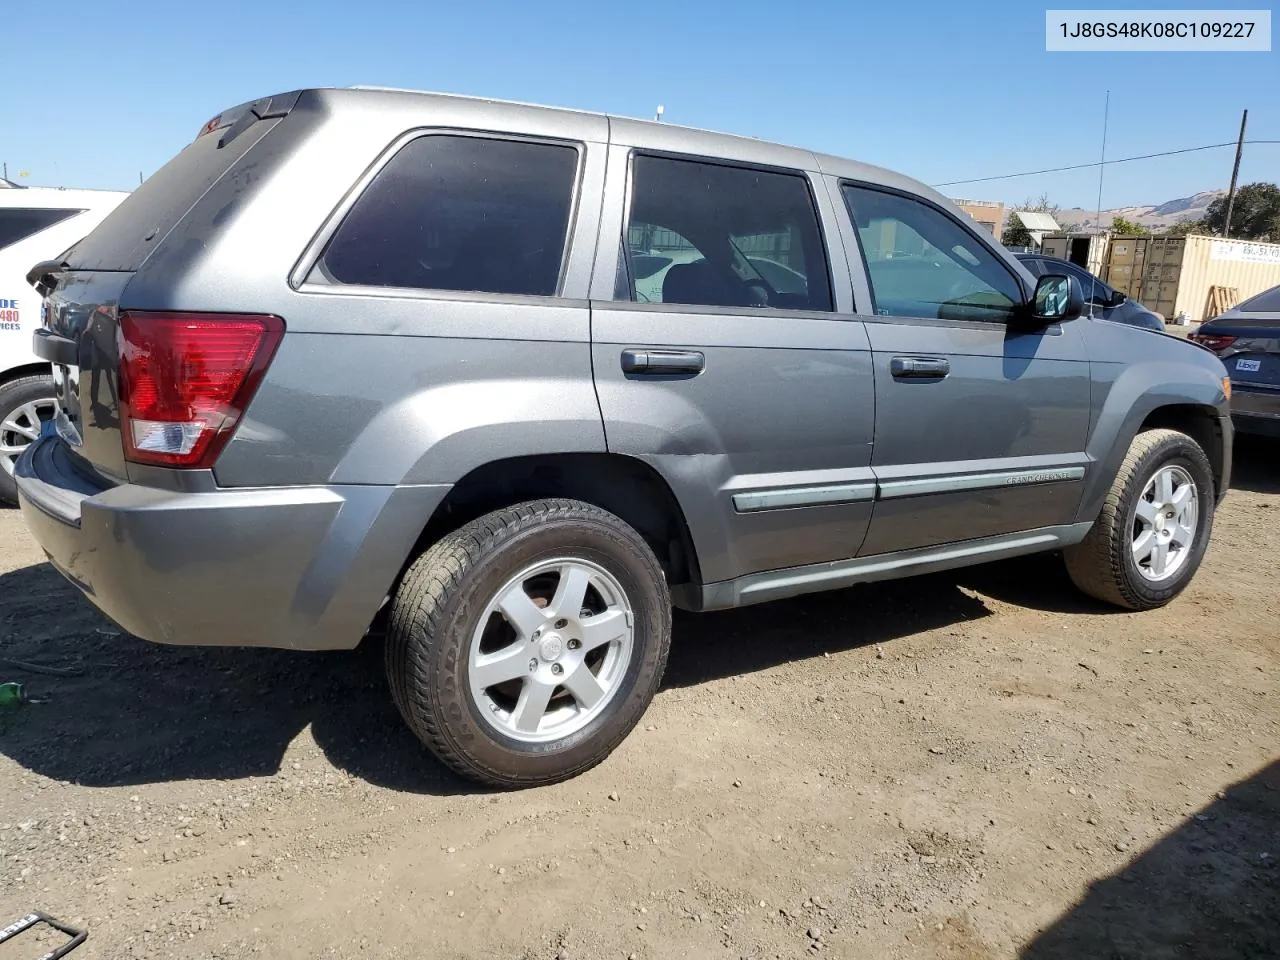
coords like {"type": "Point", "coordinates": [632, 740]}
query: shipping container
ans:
{"type": "Point", "coordinates": [1128, 250]}
{"type": "Point", "coordinates": [1088, 250]}
{"type": "Point", "coordinates": [1174, 275]}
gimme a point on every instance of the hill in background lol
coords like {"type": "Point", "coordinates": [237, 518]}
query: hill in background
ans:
{"type": "Point", "coordinates": [1155, 218]}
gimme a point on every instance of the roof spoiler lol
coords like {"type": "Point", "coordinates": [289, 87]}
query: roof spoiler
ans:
{"type": "Point", "coordinates": [239, 119]}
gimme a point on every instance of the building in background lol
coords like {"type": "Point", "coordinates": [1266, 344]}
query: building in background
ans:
{"type": "Point", "coordinates": [988, 213]}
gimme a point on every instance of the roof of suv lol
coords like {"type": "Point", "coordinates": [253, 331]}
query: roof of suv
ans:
{"type": "Point", "coordinates": [58, 198]}
{"type": "Point", "coordinates": [647, 133]}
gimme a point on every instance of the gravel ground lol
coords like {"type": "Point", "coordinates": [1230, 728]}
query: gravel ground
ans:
{"type": "Point", "coordinates": [973, 764]}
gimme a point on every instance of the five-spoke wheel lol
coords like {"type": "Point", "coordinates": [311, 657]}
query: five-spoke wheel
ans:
{"type": "Point", "coordinates": [523, 647]}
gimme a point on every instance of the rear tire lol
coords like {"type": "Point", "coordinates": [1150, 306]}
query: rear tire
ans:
{"type": "Point", "coordinates": [23, 402]}
{"type": "Point", "coordinates": [1155, 524]}
{"type": "Point", "coordinates": [525, 646]}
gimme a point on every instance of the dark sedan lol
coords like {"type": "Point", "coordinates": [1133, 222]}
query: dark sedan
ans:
{"type": "Point", "coordinates": [1101, 301]}
{"type": "Point", "coordinates": [1247, 340]}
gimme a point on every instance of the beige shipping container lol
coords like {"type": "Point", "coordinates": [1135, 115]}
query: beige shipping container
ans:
{"type": "Point", "coordinates": [1088, 250]}
{"type": "Point", "coordinates": [1173, 275]}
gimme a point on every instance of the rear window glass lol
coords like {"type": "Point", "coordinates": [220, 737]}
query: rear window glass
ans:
{"type": "Point", "coordinates": [460, 213]}
{"type": "Point", "coordinates": [18, 224]}
{"type": "Point", "coordinates": [134, 229]}
{"type": "Point", "coordinates": [1266, 302]}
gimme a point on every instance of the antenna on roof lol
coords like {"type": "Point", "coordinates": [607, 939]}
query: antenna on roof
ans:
{"type": "Point", "coordinates": [658, 114]}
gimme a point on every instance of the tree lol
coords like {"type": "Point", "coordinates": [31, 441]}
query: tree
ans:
{"type": "Point", "coordinates": [1017, 235]}
{"type": "Point", "coordinates": [1255, 215]}
{"type": "Point", "coordinates": [1127, 228]}
{"type": "Point", "coordinates": [1184, 227]}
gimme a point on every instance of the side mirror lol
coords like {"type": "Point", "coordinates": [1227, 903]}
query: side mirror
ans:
{"type": "Point", "coordinates": [1117, 298]}
{"type": "Point", "coordinates": [1057, 299]}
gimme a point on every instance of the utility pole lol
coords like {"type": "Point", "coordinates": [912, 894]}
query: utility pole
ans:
{"type": "Point", "coordinates": [1235, 174]}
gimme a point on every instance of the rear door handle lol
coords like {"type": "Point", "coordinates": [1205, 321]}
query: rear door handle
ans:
{"type": "Point", "coordinates": [919, 368]}
{"type": "Point", "coordinates": [663, 362]}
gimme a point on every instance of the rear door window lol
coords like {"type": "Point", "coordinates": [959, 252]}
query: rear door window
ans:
{"type": "Point", "coordinates": [19, 223]}
{"type": "Point", "coordinates": [723, 236]}
{"type": "Point", "coordinates": [454, 212]}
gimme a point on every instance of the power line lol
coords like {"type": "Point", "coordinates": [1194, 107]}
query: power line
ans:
{"type": "Point", "coordinates": [1098, 163]}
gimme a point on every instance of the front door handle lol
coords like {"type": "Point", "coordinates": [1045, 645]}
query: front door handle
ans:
{"type": "Point", "coordinates": [663, 362]}
{"type": "Point", "coordinates": [919, 368]}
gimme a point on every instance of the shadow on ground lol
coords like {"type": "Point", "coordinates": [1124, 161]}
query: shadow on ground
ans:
{"type": "Point", "coordinates": [1256, 464]}
{"type": "Point", "coordinates": [1210, 889]}
{"type": "Point", "coordinates": [135, 712]}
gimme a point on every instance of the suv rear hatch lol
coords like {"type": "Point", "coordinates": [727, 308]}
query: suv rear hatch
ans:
{"type": "Point", "coordinates": [88, 334]}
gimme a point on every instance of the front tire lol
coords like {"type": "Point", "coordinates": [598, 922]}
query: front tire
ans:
{"type": "Point", "coordinates": [525, 646]}
{"type": "Point", "coordinates": [25, 403]}
{"type": "Point", "coordinates": [1154, 527]}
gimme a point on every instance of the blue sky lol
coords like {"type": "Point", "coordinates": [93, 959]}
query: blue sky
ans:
{"type": "Point", "coordinates": [937, 90]}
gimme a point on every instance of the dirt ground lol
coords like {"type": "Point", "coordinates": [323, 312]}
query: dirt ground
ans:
{"type": "Point", "coordinates": [969, 765]}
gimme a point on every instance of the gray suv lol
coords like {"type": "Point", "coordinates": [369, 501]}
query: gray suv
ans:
{"type": "Point", "coordinates": [509, 382]}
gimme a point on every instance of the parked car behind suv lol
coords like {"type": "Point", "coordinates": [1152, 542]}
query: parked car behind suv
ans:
{"type": "Point", "coordinates": [1247, 340]}
{"type": "Point", "coordinates": [376, 355]}
{"type": "Point", "coordinates": [1101, 301]}
{"type": "Point", "coordinates": [36, 223]}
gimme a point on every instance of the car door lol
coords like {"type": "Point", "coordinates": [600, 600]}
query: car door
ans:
{"type": "Point", "coordinates": [980, 425]}
{"type": "Point", "coordinates": [728, 358]}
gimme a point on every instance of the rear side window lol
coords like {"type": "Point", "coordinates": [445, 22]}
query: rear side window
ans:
{"type": "Point", "coordinates": [706, 234]}
{"type": "Point", "coordinates": [1266, 302]}
{"type": "Point", "coordinates": [18, 224]}
{"type": "Point", "coordinates": [460, 213]}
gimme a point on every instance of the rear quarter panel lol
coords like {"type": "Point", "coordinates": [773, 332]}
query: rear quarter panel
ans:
{"type": "Point", "coordinates": [373, 385]}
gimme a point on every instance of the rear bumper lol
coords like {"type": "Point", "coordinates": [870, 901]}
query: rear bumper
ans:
{"type": "Point", "coordinates": [1254, 410]}
{"type": "Point", "coordinates": [298, 567]}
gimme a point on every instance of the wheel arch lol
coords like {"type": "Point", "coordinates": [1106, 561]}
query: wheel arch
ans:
{"type": "Point", "coordinates": [23, 370]}
{"type": "Point", "coordinates": [625, 486]}
{"type": "Point", "coordinates": [1152, 395]}
{"type": "Point", "coordinates": [1203, 425]}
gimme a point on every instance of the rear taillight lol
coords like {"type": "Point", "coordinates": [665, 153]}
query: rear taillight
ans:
{"type": "Point", "coordinates": [1211, 341]}
{"type": "Point", "coordinates": [185, 379]}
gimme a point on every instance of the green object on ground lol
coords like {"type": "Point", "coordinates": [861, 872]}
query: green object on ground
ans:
{"type": "Point", "coordinates": [12, 695]}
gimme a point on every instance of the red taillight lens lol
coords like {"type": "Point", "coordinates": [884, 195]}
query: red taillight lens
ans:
{"type": "Point", "coordinates": [1211, 341]}
{"type": "Point", "coordinates": [185, 379]}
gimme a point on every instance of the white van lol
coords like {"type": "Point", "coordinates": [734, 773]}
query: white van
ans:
{"type": "Point", "coordinates": [36, 223]}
